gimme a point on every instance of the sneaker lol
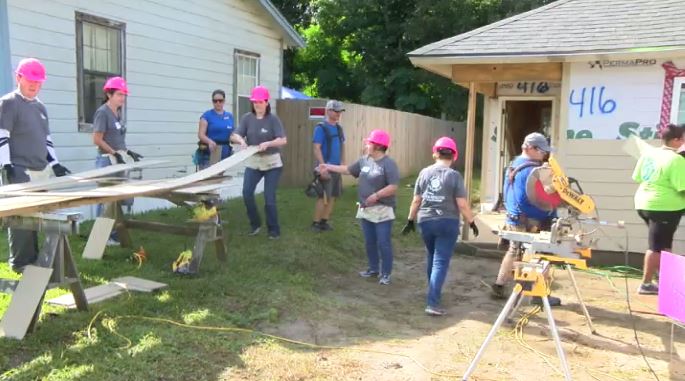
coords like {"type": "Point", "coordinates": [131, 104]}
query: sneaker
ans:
{"type": "Point", "coordinates": [497, 291]}
{"type": "Point", "coordinates": [113, 242]}
{"type": "Point", "coordinates": [385, 280]}
{"type": "Point", "coordinates": [254, 232]}
{"type": "Point", "coordinates": [274, 236]}
{"type": "Point", "coordinates": [368, 274]}
{"type": "Point", "coordinates": [316, 228]}
{"type": "Point", "coordinates": [324, 226]}
{"type": "Point", "coordinates": [434, 311]}
{"type": "Point", "coordinates": [648, 289]}
{"type": "Point", "coordinates": [553, 301]}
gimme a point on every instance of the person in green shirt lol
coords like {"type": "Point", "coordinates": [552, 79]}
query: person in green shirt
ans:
{"type": "Point", "coordinates": [660, 198]}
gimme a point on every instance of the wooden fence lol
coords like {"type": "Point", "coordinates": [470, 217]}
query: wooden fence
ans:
{"type": "Point", "coordinates": [412, 136]}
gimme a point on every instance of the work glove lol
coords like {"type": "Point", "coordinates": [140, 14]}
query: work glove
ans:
{"type": "Point", "coordinates": [9, 170]}
{"type": "Point", "coordinates": [474, 228]}
{"type": "Point", "coordinates": [409, 227]}
{"type": "Point", "coordinates": [60, 170]}
{"type": "Point", "coordinates": [135, 156]}
{"type": "Point", "coordinates": [119, 158]}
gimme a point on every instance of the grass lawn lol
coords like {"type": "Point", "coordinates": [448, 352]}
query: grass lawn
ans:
{"type": "Point", "coordinates": [263, 284]}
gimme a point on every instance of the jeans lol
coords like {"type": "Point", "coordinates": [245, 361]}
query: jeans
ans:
{"type": "Point", "coordinates": [440, 237]}
{"type": "Point", "coordinates": [377, 237]}
{"type": "Point", "coordinates": [250, 181]}
{"type": "Point", "coordinates": [102, 162]}
{"type": "Point", "coordinates": [23, 243]}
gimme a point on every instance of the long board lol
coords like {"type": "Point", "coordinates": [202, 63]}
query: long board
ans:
{"type": "Point", "coordinates": [77, 177]}
{"type": "Point", "coordinates": [20, 205]}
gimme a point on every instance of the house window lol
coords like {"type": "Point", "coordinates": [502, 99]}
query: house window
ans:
{"type": "Point", "coordinates": [246, 78]}
{"type": "Point", "coordinates": [678, 105]}
{"type": "Point", "coordinates": [99, 55]}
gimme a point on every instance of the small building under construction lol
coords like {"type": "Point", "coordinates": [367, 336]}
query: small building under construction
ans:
{"type": "Point", "coordinates": [587, 73]}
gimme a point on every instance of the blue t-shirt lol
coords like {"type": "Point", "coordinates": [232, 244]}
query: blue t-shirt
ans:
{"type": "Point", "coordinates": [219, 129]}
{"type": "Point", "coordinates": [336, 143]}
{"type": "Point", "coordinates": [515, 198]}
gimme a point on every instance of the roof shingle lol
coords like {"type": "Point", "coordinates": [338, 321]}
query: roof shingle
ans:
{"type": "Point", "coordinates": [572, 27]}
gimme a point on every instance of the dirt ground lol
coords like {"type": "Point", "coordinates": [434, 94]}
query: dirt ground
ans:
{"type": "Point", "coordinates": [369, 317]}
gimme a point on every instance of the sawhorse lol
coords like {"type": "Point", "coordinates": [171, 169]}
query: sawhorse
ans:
{"type": "Point", "coordinates": [205, 232]}
{"type": "Point", "coordinates": [55, 267]}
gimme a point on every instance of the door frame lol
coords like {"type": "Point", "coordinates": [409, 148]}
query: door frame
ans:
{"type": "Point", "coordinates": [503, 157]}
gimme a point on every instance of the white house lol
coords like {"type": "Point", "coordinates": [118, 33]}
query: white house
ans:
{"type": "Point", "coordinates": [172, 53]}
{"type": "Point", "coordinates": [589, 74]}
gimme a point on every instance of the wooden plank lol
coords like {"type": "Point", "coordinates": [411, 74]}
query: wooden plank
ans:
{"type": "Point", "coordinates": [470, 140]}
{"type": "Point", "coordinates": [93, 295]}
{"type": "Point", "coordinates": [507, 72]}
{"type": "Point", "coordinates": [25, 301]}
{"type": "Point", "coordinates": [132, 283]}
{"type": "Point", "coordinates": [97, 240]}
{"type": "Point", "coordinates": [489, 89]}
{"type": "Point", "coordinates": [77, 177]}
{"type": "Point", "coordinates": [29, 204]}
{"type": "Point", "coordinates": [162, 227]}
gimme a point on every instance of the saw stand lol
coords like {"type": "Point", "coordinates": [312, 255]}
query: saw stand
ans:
{"type": "Point", "coordinates": [558, 249]}
{"type": "Point", "coordinates": [531, 280]}
{"type": "Point", "coordinates": [55, 267]}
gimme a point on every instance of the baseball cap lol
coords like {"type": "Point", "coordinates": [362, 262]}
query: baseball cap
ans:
{"type": "Point", "coordinates": [537, 140]}
{"type": "Point", "coordinates": [335, 105]}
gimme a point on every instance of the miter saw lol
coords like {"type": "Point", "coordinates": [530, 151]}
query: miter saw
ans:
{"type": "Point", "coordinates": [566, 242]}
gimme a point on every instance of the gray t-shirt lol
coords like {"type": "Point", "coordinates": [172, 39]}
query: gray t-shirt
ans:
{"type": "Point", "coordinates": [257, 131]}
{"type": "Point", "coordinates": [439, 187]}
{"type": "Point", "coordinates": [114, 132]}
{"type": "Point", "coordinates": [375, 175]}
{"type": "Point", "coordinates": [26, 121]}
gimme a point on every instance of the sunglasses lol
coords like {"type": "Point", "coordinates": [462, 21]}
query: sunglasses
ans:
{"type": "Point", "coordinates": [218, 100]}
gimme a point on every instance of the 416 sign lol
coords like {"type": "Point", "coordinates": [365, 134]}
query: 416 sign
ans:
{"type": "Point", "coordinates": [528, 88]}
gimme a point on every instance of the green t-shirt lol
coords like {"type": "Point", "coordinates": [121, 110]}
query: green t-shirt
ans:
{"type": "Point", "coordinates": [661, 174]}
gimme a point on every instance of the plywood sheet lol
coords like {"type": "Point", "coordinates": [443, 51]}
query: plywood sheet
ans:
{"type": "Point", "coordinates": [93, 295]}
{"type": "Point", "coordinates": [97, 240]}
{"type": "Point", "coordinates": [25, 300]}
{"type": "Point", "coordinates": [132, 283]}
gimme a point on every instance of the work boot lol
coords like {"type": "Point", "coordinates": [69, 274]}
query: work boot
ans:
{"type": "Point", "coordinates": [315, 227]}
{"type": "Point", "coordinates": [497, 291]}
{"type": "Point", "coordinates": [324, 226]}
{"type": "Point", "coordinates": [553, 301]}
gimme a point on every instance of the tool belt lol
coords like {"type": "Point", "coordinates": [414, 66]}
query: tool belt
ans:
{"type": "Point", "coordinates": [377, 213]}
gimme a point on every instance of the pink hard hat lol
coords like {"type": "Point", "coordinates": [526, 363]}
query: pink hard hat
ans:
{"type": "Point", "coordinates": [116, 83]}
{"type": "Point", "coordinates": [379, 137]}
{"type": "Point", "coordinates": [259, 93]}
{"type": "Point", "coordinates": [31, 69]}
{"type": "Point", "coordinates": [446, 143]}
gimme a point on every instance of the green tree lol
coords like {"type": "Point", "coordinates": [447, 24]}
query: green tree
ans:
{"type": "Point", "coordinates": [357, 50]}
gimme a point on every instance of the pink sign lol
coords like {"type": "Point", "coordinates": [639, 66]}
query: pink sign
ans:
{"type": "Point", "coordinates": [672, 286]}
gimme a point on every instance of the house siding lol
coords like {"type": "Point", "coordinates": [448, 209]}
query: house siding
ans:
{"type": "Point", "coordinates": [601, 164]}
{"type": "Point", "coordinates": [177, 53]}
